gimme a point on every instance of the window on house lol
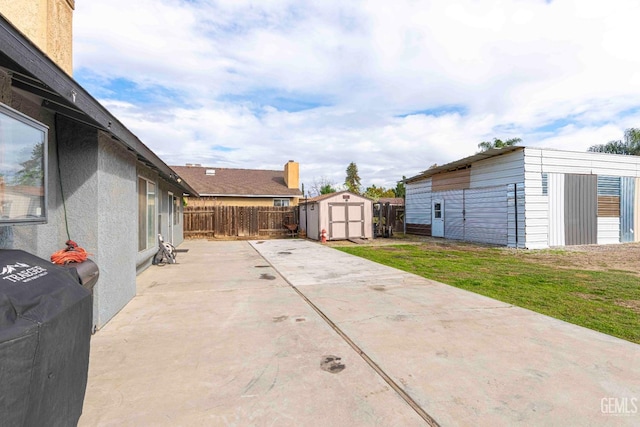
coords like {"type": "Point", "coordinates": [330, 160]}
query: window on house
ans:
{"type": "Point", "coordinates": [146, 214]}
{"type": "Point", "coordinates": [281, 202]}
{"type": "Point", "coordinates": [23, 170]}
{"type": "Point", "coordinates": [545, 184]}
{"type": "Point", "coordinates": [176, 210]}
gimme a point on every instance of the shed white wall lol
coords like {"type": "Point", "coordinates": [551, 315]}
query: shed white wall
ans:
{"type": "Point", "coordinates": [309, 220]}
{"type": "Point", "coordinates": [637, 212]}
{"type": "Point", "coordinates": [319, 216]}
{"type": "Point", "coordinates": [500, 170]}
{"type": "Point", "coordinates": [587, 163]}
{"type": "Point", "coordinates": [418, 202]}
{"type": "Point", "coordinates": [496, 204]}
{"type": "Point", "coordinates": [556, 209]}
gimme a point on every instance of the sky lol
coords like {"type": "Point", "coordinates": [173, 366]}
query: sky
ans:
{"type": "Point", "coordinates": [394, 86]}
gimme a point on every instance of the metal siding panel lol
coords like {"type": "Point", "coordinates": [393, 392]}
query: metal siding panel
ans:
{"type": "Point", "coordinates": [637, 211]}
{"type": "Point", "coordinates": [486, 215]}
{"type": "Point", "coordinates": [608, 185]}
{"type": "Point", "coordinates": [500, 170]}
{"type": "Point", "coordinates": [627, 211]}
{"type": "Point", "coordinates": [581, 207]}
{"type": "Point", "coordinates": [608, 230]}
{"type": "Point", "coordinates": [556, 210]}
{"type": "Point", "coordinates": [516, 219]}
{"type": "Point", "coordinates": [453, 213]}
{"type": "Point", "coordinates": [418, 203]}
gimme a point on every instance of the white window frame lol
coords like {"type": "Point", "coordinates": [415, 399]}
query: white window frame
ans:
{"type": "Point", "coordinates": [284, 203]}
{"type": "Point", "coordinates": [36, 210]}
{"type": "Point", "coordinates": [150, 214]}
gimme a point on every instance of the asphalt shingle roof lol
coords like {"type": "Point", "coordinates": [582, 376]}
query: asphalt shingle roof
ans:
{"type": "Point", "coordinates": [236, 182]}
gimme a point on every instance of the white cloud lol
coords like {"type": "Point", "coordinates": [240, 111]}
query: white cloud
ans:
{"type": "Point", "coordinates": [224, 73]}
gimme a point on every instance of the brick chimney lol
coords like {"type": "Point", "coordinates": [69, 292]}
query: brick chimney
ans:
{"type": "Point", "coordinates": [47, 23]}
{"type": "Point", "coordinates": [292, 174]}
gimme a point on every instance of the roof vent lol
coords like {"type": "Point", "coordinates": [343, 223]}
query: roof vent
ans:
{"type": "Point", "coordinates": [210, 172]}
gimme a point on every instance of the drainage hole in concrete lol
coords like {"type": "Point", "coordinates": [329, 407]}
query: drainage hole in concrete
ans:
{"type": "Point", "coordinates": [332, 364]}
{"type": "Point", "coordinates": [262, 266]}
{"type": "Point", "coordinates": [280, 319]}
{"type": "Point", "coordinates": [284, 253]}
{"type": "Point", "coordinates": [260, 242]}
{"type": "Point", "coordinates": [267, 277]}
{"type": "Point", "coordinates": [301, 319]}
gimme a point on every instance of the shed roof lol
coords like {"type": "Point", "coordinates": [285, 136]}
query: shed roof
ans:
{"type": "Point", "coordinates": [330, 195]}
{"type": "Point", "coordinates": [392, 200]}
{"type": "Point", "coordinates": [31, 70]}
{"type": "Point", "coordinates": [236, 182]}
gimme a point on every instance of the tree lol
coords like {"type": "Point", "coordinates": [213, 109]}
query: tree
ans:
{"type": "Point", "coordinates": [630, 145]}
{"type": "Point", "coordinates": [327, 189]}
{"type": "Point", "coordinates": [352, 181]}
{"type": "Point", "coordinates": [498, 143]}
{"type": "Point", "coordinates": [376, 193]}
{"type": "Point", "coordinates": [323, 185]}
{"type": "Point", "coordinates": [31, 173]}
{"type": "Point", "coordinates": [400, 189]}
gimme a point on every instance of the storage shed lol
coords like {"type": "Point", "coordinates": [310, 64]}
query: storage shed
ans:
{"type": "Point", "coordinates": [528, 198]}
{"type": "Point", "coordinates": [343, 215]}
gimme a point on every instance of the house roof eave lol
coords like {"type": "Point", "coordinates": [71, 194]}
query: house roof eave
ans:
{"type": "Point", "coordinates": [38, 74]}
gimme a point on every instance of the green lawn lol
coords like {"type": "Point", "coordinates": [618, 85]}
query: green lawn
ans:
{"type": "Point", "coordinates": [603, 301]}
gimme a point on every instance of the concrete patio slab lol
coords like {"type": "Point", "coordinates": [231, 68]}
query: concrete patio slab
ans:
{"type": "Point", "coordinates": [466, 359]}
{"type": "Point", "coordinates": [220, 339]}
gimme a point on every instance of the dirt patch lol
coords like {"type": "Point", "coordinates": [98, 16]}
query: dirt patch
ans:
{"type": "Point", "coordinates": [631, 304]}
{"type": "Point", "coordinates": [612, 258]}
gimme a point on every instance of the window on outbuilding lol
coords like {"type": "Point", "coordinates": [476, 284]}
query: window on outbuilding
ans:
{"type": "Point", "coordinates": [281, 202]}
{"type": "Point", "coordinates": [146, 214]}
{"type": "Point", "coordinates": [23, 168]}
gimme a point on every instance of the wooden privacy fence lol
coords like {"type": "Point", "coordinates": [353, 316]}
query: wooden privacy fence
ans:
{"type": "Point", "coordinates": [238, 221]}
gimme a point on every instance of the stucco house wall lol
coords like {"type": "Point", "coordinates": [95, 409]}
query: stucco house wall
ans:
{"type": "Point", "coordinates": [93, 164]}
{"type": "Point", "coordinates": [47, 23]}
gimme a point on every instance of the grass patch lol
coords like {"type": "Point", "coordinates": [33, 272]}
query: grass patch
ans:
{"type": "Point", "coordinates": [603, 301]}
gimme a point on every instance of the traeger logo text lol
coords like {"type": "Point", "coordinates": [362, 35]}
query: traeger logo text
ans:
{"type": "Point", "coordinates": [21, 272]}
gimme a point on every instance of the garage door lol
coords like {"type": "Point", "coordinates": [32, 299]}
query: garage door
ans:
{"type": "Point", "coordinates": [346, 221]}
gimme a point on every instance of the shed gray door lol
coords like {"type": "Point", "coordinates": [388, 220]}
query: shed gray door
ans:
{"type": "Point", "coordinates": [580, 209]}
{"type": "Point", "coordinates": [346, 220]}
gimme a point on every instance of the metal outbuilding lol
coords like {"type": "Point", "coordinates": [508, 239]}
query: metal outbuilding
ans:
{"type": "Point", "coordinates": [528, 198]}
{"type": "Point", "coordinates": [344, 215]}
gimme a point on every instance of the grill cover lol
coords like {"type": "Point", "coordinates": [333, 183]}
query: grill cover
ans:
{"type": "Point", "coordinates": [45, 330]}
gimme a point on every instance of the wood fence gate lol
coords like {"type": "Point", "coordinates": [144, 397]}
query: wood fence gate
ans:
{"type": "Point", "coordinates": [238, 221]}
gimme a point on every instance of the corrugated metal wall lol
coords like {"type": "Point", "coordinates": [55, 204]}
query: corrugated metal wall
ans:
{"type": "Point", "coordinates": [628, 209]}
{"type": "Point", "coordinates": [453, 180]}
{"type": "Point", "coordinates": [486, 215]}
{"type": "Point", "coordinates": [515, 216]}
{"type": "Point", "coordinates": [636, 222]}
{"type": "Point", "coordinates": [580, 209]}
{"type": "Point", "coordinates": [453, 213]}
{"type": "Point", "coordinates": [418, 202]}
{"type": "Point", "coordinates": [608, 209]}
{"type": "Point", "coordinates": [556, 209]}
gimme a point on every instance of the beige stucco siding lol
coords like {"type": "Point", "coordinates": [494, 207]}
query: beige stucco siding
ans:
{"type": "Point", "coordinates": [47, 23]}
{"type": "Point", "coordinates": [237, 201]}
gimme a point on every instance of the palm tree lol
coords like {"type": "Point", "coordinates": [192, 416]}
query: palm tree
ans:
{"type": "Point", "coordinates": [498, 143]}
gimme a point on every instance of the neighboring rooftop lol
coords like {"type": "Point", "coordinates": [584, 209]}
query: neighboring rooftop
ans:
{"type": "Point", "coordinates": [214, 181]}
